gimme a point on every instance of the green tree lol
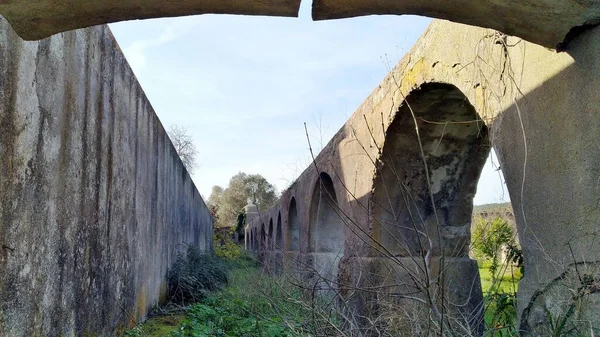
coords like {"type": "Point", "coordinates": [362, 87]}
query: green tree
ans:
{"type": "Point", "coordinates": [230, 202]}
{"type": "Point", "coordinates": [490, 237]}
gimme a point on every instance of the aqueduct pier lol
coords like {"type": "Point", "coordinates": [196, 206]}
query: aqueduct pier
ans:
{"type": "Point", "coordinates": [94, 202]}
{"type": "Point", "coordinates": [385, 204]}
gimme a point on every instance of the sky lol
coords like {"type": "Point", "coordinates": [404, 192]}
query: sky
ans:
{"type": "Point", "coordinates": [244, 86]}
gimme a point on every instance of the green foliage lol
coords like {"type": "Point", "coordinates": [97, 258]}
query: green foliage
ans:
{"type": "Point", "coordinates": [252, 305]}
{"type": "Point", "coordinates": [501, 314]}
{"type": "Point", "coordinates": [241, 225]}
{"type": "Point", "coordinates": [489, 237]}
{"type": "Point", "coordinates": [194, 275]}
{"type": "Point", "coordinates": [225, 247]}
{"type": "Point", "coordinates": [499, 278]}
{"type": "Point", "coordinates": [135, 332]}
{"type": "Point", "coordinates": [160, 325]}
{"type": "Point", "coordinates": [230, 202]}
{"type": "Point", "coordinates": [225, 314]}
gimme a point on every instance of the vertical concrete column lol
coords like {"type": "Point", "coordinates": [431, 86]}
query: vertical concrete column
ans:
{"type": "Point", "coordinates": [548, 144]}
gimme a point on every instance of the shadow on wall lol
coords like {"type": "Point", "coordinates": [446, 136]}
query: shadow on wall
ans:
{"type": "Point", "coordinates": [326, 230]}
{"type": "Point", "coordinates": [409, 236]}
{"type": "Point", "coordinates": [293, 232]}
{"type": "Point", "coordinates": [95, 203]}
{"type": "Point", "coordinates": [556, 201]}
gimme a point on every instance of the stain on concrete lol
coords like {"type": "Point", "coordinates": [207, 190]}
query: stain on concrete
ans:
{"type": "Point", "coordinates": [87, 232]}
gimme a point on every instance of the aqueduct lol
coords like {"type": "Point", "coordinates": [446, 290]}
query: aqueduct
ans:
{"type": "Point", "coordinates": [386, 202]}
{"type": "Point", "coordinates": [401, 196]}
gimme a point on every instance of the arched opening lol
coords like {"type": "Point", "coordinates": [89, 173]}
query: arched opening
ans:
{"type": "Point", "coordinates": [270, 237]}
{"type": "Point", "coordinates": [293, 233]}
{"type": "Point", "coordinates": [423, 195]}
{"type": "Point", "coordinates": [254, 239]}
{"type": "Point", "coordinates": [249, 240]}
{"type": "Point", "coordinates": [278, 233]}
{"type": "Point", "coordinates": [326, 234]}
{"type": "Point", "coordinates": [326, 231]}
{"type": "Point", "coordinates": [263, 238]}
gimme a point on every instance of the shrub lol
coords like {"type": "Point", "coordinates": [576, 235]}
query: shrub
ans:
{"type": "Point", "coordinates": [194, 275]}
{"type": "Point", "coordinates": [226, 248]}
{"type": "Point", "coordinates": [490, 237]}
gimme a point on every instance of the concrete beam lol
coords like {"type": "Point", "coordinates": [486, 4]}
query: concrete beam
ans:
{"type": "Point", "coordinates": [550, 23]}
{"type": "Point", "coordinates": [33, 20]}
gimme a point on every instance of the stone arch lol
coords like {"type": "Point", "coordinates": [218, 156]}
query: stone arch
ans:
{"type": "Point", "coordinates": [293, 232]}
{"type": "Point", "coordinates": [278, 233]}
{"type": "Point", "coordinates": [270, 236]}
{"type": "Point", "coordinates": [424, 210]}
{"type": "Point", "coordinates": [326, 229]}
{"type": "Point", "coordinates": [325, 234]}
{"type": "Point", "coordinates": [248, 239]}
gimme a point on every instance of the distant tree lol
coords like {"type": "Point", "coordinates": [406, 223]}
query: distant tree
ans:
{"type": "Point", "coordinates": [215, 195]}
{"type": "Point", "coordinates": [489, 238]}
{"type": "Point", "coordinates": [230, 202]}
{"type": "Point", "coordinates": [184, 145]}
{"type": "Point", "coordinates": [260, 191]}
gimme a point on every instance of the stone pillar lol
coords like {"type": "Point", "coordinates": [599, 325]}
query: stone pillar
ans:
{"type": "Point", "coordinates": [548, 144]}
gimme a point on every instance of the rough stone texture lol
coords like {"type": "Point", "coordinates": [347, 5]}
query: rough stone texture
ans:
{"type": "Point", "coordinates": [34, 20]}
{"type": "Point", "coordinates": [540, 110]}
{"type": "Point", "coordinates": [94, 201]}
{"type": "Point", "coordinates": [545, 22]}
{"type": "Point", "coordinates": [550, 23]}
{"type": "Point", "coordinates": [570, 301]}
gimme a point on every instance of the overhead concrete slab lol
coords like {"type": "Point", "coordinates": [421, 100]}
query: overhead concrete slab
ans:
{"type": "Point", "coordinates": [550, 23]}
{"type": "Point", "coordinates": [34, 20]}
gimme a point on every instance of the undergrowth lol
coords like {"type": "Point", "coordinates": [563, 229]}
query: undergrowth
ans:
{"type": "Point", "coordinates": [231, 296]}
{"type": "Point", "coordinates": [194, 275]}
{"type": "Point", "coordinates": [252, 305]}
{"type": "Point", "coordinates": [500, 267]}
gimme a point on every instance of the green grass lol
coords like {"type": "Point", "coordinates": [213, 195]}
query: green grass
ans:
{"type": "Point", "coordinates": [500, 299]}
{"type": "Point", "coordinates": [252, 305]}
{"type": "Point", "coordinates": [507, 280]}
{"type": "Point", "coordinates": [156, 326]}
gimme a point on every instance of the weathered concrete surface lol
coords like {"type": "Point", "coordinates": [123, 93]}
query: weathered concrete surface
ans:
{"type": "Point", "coordinates": [34, 20]}
{"type": "Point", "coordinates": [539, 109]}
{"type": "Point", "coordinates": [94, 201]}
{"type": "Point", "coordinates": [545, 22]}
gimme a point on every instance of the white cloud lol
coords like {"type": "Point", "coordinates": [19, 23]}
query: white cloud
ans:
{"type": "Point", "coordinates": [174, 28]}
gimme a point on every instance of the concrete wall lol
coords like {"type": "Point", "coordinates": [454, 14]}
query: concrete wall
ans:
{"type": "Point", "coordinates": [94, 201]}
{"type": "Point", "coordinates": [469, 89]}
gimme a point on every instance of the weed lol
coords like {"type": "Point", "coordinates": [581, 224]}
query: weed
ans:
{"type": "Point", "coordinates": [194, 275]}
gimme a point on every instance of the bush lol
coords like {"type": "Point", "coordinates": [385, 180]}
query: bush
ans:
{"type": "Point", "coordinates": [490, 237]}
{"type": "Point", "coordinates": [226, 248]}
{"type": "Point", "coordinates": [194, 275]}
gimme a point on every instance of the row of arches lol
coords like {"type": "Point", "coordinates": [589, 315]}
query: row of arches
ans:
{"type": "Point", "coordinates": [419, 204]}
{"type": "Point", "coordinates": [326, 234]}
{"type": "Point", "coordinates": [410, 201]}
